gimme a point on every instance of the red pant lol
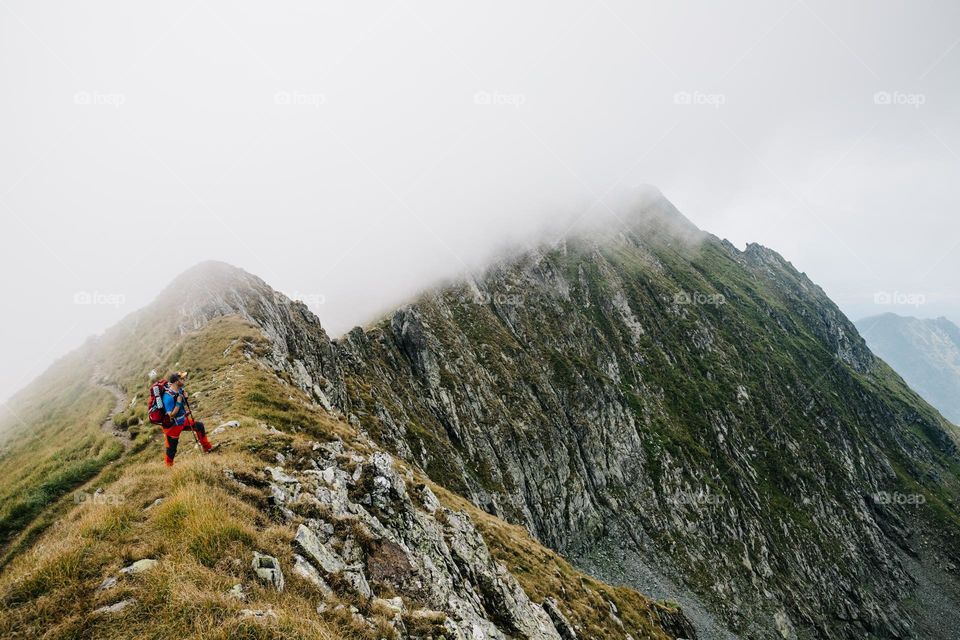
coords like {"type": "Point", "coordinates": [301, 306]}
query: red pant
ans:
{"type": "Point", "coordinates": [171, 437]}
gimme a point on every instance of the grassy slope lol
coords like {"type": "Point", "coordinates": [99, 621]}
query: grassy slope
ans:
{"type": "Point", "coordinates": [52, 443]}
{"type": "Point", "coordinates": [205, 530]}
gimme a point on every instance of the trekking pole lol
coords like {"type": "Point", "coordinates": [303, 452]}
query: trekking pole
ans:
{"type": "Point", "coordinates": [186, 401]}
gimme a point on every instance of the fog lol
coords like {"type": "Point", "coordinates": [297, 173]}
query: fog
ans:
{"type": "Point", "coordinates": [353, 153]}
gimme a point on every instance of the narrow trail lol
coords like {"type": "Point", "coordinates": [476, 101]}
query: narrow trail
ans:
{"type": "Point", "coordinates": [119, 406]}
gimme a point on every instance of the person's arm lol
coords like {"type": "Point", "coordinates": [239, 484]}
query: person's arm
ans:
{"type": "Point", "coordinates": [173, 404]}
{"type": "Point", "coordinates": [181, 406]}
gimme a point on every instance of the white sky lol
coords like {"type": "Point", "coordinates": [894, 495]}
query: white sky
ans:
{"type": "Point", "coordinates": [355, 152]}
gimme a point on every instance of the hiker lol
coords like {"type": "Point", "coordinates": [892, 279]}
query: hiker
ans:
{"type": "Point", "coordinates": [180, 418]}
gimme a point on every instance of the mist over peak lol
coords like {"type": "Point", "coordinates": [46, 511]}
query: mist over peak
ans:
{"type": "Point", "coordinates": [284, 140]}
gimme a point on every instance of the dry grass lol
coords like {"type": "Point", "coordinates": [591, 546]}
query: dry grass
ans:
{"type": "Point", "coordinates": [204, 534]}
{"type": "Point", "coordinates": [206, 529]}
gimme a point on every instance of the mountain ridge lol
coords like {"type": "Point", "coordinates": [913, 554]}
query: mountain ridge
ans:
{"type": "Point", "coordinates": [409, 345]}
{"type": "Point", "coordinates": [702, 414]}
{"type": "Point", "coordinates": [369, 548]}
{"type": "Point", "coordinates": [412, 346]}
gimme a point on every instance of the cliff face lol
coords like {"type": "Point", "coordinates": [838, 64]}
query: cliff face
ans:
{"type": "Point", "coordinates": [701, 414]}
{"type": "Point", "coordinates": [668, 410]}
{"type": "Point", "coordinates": [925, 352]}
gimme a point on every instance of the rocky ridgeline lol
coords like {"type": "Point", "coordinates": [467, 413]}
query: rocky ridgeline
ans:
{"type": "Point", "coordinates": [655, 402]}
{"type": "Point", "coordinates": [601, 414]}
{"type": "Point", "coordinates": [373, 539]}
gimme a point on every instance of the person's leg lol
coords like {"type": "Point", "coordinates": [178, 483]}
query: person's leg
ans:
{"type": "Point", "coordinates": [202, 436]}
{"type": "Point", "coordinates": [171, 437]}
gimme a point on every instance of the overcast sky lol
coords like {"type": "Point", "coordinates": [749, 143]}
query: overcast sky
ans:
{"type": "Point", "coordinates": [352, 153]}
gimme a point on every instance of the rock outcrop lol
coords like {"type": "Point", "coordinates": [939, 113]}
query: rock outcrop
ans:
{"type": "Point", "coordinates": [372, 534]}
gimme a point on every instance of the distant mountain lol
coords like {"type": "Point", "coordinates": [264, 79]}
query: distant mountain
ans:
{"type": "Point", "coordinates": [925, 352]}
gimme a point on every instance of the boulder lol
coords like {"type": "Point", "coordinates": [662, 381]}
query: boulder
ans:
{"type": "Point", "coordinates": [307, 571]}
{"type": "Point", "coordinates": [358, 583]}
{"type": "Point", "coordinates": [268, 570]}
{"type": "Point", "coordinates": [310, 544]}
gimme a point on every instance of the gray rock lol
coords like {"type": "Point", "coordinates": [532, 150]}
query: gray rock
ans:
{"type": "Point", "coordinates": [358, 583]}
{"type": "Point", "coordinates": [267, 569]}
{"type": "Point", "coordinates": [281, 476]}
{"type": "Point", "coordinates": [116, 607]}
{"type": "Point", "coordinates": [310, 544]}
{"type": "Point", "coordinates": [308, 572]}
{"type": "Point", "coordinates": [432, 556]}
{"type": "Point", "coordinates": [560, 622]}
{"type": "Point", "coordinates": [108, 583]}
{"type": "Point", "coordinates": [238, 592]}
{"type": "Point", "coordinates": [140, 566]}
{"type": "Point", "coordinates": [260, 615]}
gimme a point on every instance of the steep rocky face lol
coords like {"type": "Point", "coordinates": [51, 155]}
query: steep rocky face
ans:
{"type": "Point", "coordinates": [925, 352]}
{"type": "Point", "coordinates": [369, 530]}
{"type": "Point", "coordinates": [671, 411]}
{"type": "Point", "coordinates": [709, 410]}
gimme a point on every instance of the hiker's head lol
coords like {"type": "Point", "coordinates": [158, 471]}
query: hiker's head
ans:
{"type": "Point", "coordinates": [177, 380]}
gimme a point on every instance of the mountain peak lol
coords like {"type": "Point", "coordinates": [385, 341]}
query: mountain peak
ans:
{"type": "Point", "coordinates": [646, 210]}
{"type": "Point", "coordinates": [212, 274]}
{"type": "Point", "coordinates": [215, 288]}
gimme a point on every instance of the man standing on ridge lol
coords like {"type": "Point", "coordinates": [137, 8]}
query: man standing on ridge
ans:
{"type": "Point", "coordinates": [181, 418]}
